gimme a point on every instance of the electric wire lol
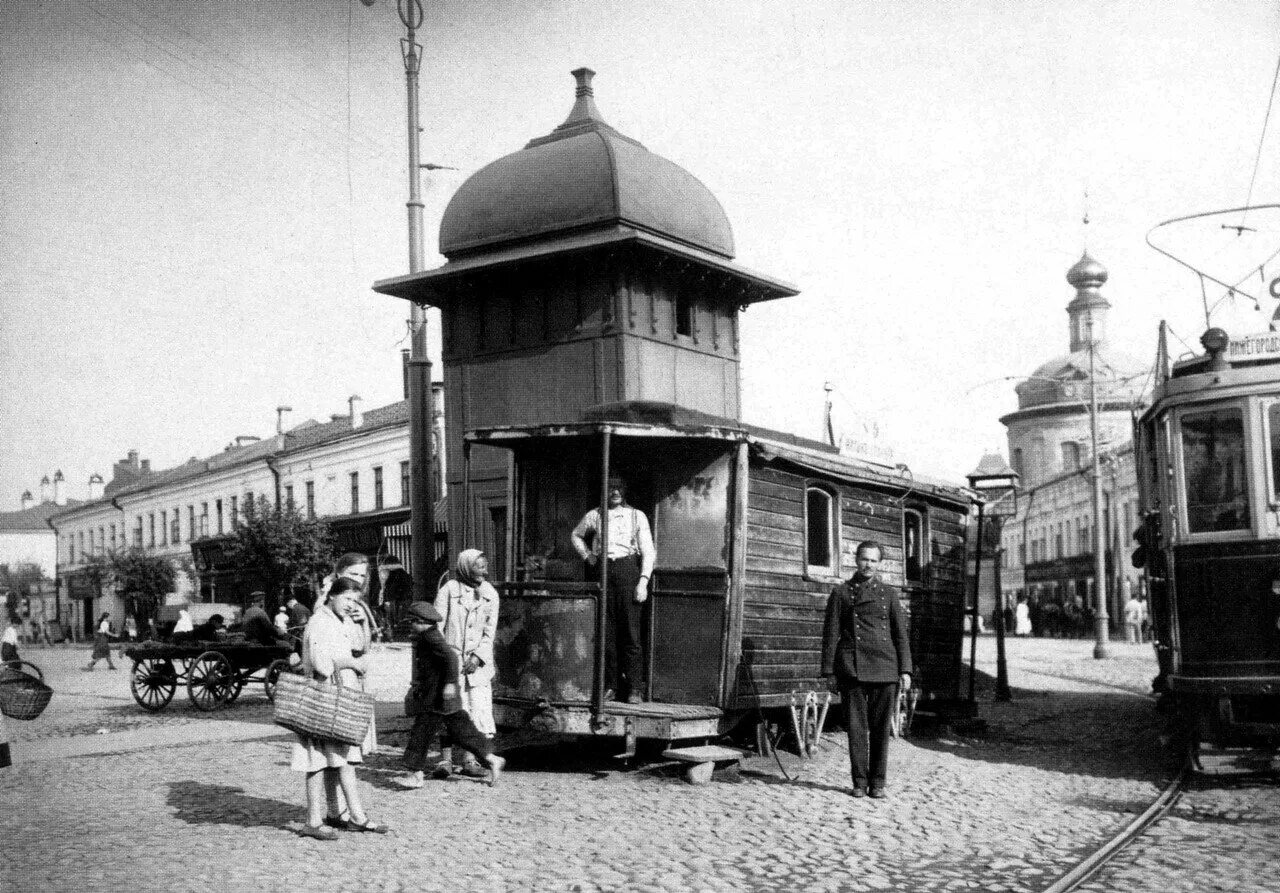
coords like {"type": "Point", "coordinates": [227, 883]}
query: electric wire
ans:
{"type": "Point", "coordinates": [1262, 138]}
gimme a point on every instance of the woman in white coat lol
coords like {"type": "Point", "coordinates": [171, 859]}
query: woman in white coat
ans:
{"type": "Point", "coordinates": [469, 606]}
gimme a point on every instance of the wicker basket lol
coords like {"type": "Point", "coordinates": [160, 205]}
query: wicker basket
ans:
{"type": "Point", "coordinates": [22, 694]}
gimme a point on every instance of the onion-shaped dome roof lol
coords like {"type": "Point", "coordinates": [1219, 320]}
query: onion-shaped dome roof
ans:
{"type": "Point", "coordinates": [584, 174]}
{"type": "Point", "coordinates": [1087, 273]}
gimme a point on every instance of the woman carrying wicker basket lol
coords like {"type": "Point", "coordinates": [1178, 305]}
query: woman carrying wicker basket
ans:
{"type": "Point", "coordinates": [326, 654]}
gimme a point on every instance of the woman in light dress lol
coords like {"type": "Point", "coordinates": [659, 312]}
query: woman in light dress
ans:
{"type": "Point", "coordinates": [469, 605]}
{"type": "Point", "coordinates": [330, 765]}
{"type": "Point", "coordinates": [1022, 618]}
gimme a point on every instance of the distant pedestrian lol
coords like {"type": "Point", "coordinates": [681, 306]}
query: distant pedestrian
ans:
{"type": "Point", "coordinates": [130, 628]}
{"type": "Point", "coordinates": [1133, 611]}
{"type": "Point", "coordinates": [282, 620]}
{"type": "Point", "coordinates": [184, 623]}
{"type": "Point", "coordinates": [299, 613]}
{"type": "Point", "coordinates": [434, 702]}
{"type": "Point", "coordinates": [330, 765]}
{"type": "Point", "coordinates": [9, 643]}
{"type": "Point", "coordinates": [102, 643]}
{"type": "Point", "coordinates": [1144, 632]}
{"type": "Point", "coordinates": [1022, 618]}
{"type": "Point", "coordinates": [864, 653]}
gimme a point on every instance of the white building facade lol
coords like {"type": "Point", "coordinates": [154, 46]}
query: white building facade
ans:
{"type": "Point", "coordinates": [352, 470]}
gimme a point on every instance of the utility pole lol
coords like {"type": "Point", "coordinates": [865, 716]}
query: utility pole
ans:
{"type": "Point", "coordinates": [1099, 558]}
{"type": "Point", "coordinates": [421, 400]}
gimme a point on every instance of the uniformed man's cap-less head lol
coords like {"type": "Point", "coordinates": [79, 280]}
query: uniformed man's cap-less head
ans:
{"type": "Point", "coordinates": [868, 557]}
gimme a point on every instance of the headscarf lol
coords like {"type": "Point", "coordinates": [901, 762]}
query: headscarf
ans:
{"type": "Point", "coordinates": [465, 569]}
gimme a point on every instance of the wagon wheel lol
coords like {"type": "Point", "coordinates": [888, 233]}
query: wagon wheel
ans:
{"type": "Point", "coordinates": [235, 686]}
{"type": "Point", "coordinates": [210, 681]}
{"type": "Point", "coordinates": [153, 682]}
{"type": "Point", "coordinates": [272, 677]}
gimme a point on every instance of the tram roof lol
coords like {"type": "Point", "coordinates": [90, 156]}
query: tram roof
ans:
{"type": "Point", "coordinates": [662, 420]}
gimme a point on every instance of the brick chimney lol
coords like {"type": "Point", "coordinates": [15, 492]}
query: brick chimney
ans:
{"type": "Point", "coordinates": [27, 500]}
{"type": "Point", "coordinates": [59, 488]}
{"type": "Point", "coordinates": [46, 490]}
{"type": "Point", "coordinates": [357, 416]}
{"type": "Point", "coordinates": [95, 486]}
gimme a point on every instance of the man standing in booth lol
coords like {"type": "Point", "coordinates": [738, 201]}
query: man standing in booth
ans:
{"type": "Point", "coordinates": [865, 654]}
{"type": "Point", "coordinates": [631, 557]}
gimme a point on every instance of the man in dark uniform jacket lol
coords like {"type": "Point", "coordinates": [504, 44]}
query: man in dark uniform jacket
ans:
{"type": "Point", "coordinates": [864, 654]}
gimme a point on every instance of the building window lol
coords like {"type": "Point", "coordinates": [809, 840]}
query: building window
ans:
{"type": "Point", "coordinates": [404, 483]}
{"type": "Point", "coordinates": [191, 523]}
{"type": "Point", "coordinates": [1070, 456]}
{"type": "Point", "coordinates": [288, 496]}
{"type": "Point", "coordinates": [164, 527]}
{"type": "Point", "coordinates": [113, 537]}
{"type": "Point", "coordinates": [355, 492]}
{"type": "Point", "coordinates": [821, 547]}
{"type": "Point", "coordinates": [175, 527]}
{"type": "Point", "coordinates": [311, 499]}
{"type": "Point", "coordinates": [684, 312]}
{"type": "Point", "coordinates": [1057, 542]}
{"type": "Point", "coordinates": [102, 539]}
{"type": "Point", "coordinates": [249, 505]}
{"type": "Point", "coordinates": [234, 509]}
{"type": "Point", "coordinates": [71, 548]}
{"type": "Point", "coordinates": [1017, 461]}
{"type": "Point", "coordinates": [137, 533]}
{"type": "Point", "coordinates": [912, 550]}
{"type": "Point", "coordinates": [377, 487]}
{"type": "Point", "coordinates": [81, 536]}
{"type": "Point", "coordinates": [151, 528]}
{"type": "Point", "coordinates": [204, 519]}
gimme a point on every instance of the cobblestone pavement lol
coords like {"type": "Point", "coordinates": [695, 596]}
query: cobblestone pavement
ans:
{"type": "Point", "coordinates": [1008, 808]}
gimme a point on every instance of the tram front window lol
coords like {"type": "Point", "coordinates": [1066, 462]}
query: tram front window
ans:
{"type": "Point", "coordinates": [1273, 437]}
{"type": "Point", "coordinates": [1213, 457]}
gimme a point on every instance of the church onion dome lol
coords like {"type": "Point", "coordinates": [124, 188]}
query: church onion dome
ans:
{"type": "Point", "coordinates": [1087, 273]}
{"type": "Point", "coordinates": [582, 175]}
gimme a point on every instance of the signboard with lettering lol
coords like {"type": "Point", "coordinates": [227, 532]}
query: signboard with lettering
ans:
{"type": "Point", "coordinates": [1262, 346]}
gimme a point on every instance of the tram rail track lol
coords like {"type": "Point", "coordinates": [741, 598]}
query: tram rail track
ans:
{"type": "Point", "coordinates": [1089, 867]}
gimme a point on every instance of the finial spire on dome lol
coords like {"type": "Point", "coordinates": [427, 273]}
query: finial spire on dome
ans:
{"type": "Point", "coordinates": [584, 106]}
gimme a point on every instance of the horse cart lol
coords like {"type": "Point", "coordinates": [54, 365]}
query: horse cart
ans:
{"type": "Point", "coordinates": [214, 673]}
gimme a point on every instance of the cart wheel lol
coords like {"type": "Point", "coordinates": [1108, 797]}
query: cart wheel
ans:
{"type": "Point", "coordinates": [269, 681]}
{"type": "Point", "coordinates": [236, 686]}
{"type": "Point", "coordinates": [153, 682]}
{"type": "Point", "coordinates": [210, 681]}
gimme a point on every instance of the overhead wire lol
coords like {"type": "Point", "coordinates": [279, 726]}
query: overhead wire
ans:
{"type": "Point", "coordinates": [1262, 138]}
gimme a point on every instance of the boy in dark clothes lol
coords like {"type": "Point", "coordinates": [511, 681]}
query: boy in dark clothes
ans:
{"type": "Point", "coordinates": [434, 703]}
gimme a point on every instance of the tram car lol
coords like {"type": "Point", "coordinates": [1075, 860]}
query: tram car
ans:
{"type": "Point", "coordinates": [1208, 453]}
{"type": "Point", "coordinates": [752, 529]}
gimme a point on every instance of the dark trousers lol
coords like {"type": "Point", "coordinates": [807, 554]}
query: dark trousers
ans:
{"type": "Point", "coordinates": [868, 708]}
{"type": "Point", "coordinates": [462, 732]}
{"type": "Point", "coordinates": [623, 661]}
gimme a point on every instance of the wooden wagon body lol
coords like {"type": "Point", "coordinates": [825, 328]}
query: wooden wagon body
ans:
{"type": "Point", "coordinates": [753, 530]}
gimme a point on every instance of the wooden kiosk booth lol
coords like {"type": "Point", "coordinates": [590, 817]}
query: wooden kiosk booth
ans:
{"type": "Point", "coordinates": [590, 308]}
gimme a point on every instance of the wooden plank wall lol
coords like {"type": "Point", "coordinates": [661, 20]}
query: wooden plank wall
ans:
{"type": "Point", "coordinates": [783, 611]}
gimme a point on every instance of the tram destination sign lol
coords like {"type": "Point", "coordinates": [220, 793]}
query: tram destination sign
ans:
{"type": "Point", "coordinates": [1262, 346]}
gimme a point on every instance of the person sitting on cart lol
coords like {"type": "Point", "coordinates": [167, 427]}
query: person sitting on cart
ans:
{"type": "Point", "coordinates": [256, 625]}
{"type": "Point", "coordinates": [212, 630]}
{"type": "Point", "coordinates": [631, 557]}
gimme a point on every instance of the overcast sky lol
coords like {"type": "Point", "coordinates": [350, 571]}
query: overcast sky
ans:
{"type": "Point", "coordinates": [198, 195]}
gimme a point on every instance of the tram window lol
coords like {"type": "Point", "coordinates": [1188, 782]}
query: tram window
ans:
{"type": "Point", "coordinates": [912, 537]}
{"type": "Point", "coordinates": [1213, 457]}
{"type": "Point", "coordinates": [820, 529]}
{"type": "Point", "coordinates": [1273, 435]}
